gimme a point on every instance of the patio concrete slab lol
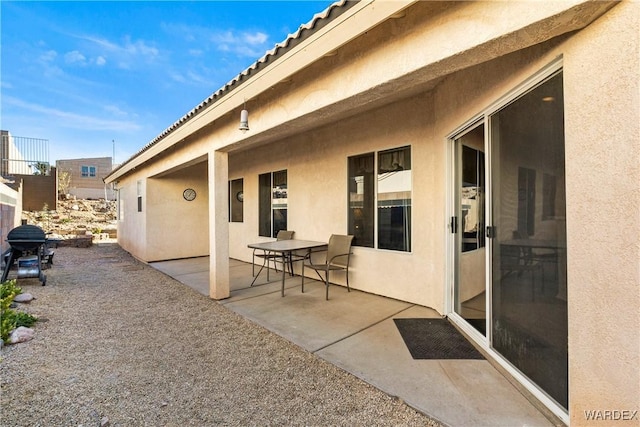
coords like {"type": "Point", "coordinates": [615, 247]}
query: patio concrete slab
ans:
{"type": "Point", "coordinates": [178, 267]}
{"type": "Point", "coordinates": [455, 392]}
{"type": "Point", "coordinates": [194, 272]}
{"type": "Point", "coordinates": [310, 321]}
{"type": "Point", "coordinates": [356, 332]}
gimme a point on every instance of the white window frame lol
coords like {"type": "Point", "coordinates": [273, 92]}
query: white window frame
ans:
{"type": "Point", "coordinates": [90, 171]}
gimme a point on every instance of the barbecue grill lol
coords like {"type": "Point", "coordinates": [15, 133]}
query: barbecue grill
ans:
{"type": "Point", "coordinates": [27, 248]}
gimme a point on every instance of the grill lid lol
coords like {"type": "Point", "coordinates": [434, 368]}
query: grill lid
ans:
{"type": "Point", "coordinates": [27, 233]}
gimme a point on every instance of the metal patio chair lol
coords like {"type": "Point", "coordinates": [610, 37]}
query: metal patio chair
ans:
{"type": "Point", "coordinates": [337, 259]}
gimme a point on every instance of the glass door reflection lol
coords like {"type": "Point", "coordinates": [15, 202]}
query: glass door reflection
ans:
{"type": "Point", "coordinates": [470, 295]}
{"type": "Point", "coordinates": [529, 301]}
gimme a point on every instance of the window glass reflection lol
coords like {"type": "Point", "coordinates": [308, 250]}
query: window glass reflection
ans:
{"type": "Point", "coordinates": [394, 199]}
{"type": "Point", "coordinates": [361, 199]}
{"type": "Point", "coordinates": [272, 209]}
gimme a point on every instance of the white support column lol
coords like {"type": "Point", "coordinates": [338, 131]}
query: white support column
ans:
{"type": "Point", "coordinates": [218, 225]}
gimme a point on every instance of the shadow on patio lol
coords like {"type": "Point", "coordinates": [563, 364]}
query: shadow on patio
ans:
{"type": "Point", "coordinates": [356, 332]}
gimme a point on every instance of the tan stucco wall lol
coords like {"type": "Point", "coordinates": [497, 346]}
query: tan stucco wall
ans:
{"type": "Point", "coordinates": [171, 218]}
{"type": "Point", "coordinates": [169, 227]}
{"type": "Point", "coordinates": [39, 191]}
{"type": "Point", "coordinates": [602, 104]}
{"type": "Point", "coordinates": [132, 231]}
{"type": "Point", "coordinates": [316, 163]}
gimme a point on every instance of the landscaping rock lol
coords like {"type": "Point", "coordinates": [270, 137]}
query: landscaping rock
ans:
{"type": "Point", "coordinates": [24, 298]}
{"type": "Point", "coordinates": [21, 334]}
{"type": "Point", "coordinates": [76, 218]}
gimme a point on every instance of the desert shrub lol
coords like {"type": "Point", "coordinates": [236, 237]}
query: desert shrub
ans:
{"type": "Point", "coordinates": [10, 319]}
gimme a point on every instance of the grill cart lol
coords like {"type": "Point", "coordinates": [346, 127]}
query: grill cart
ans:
{"type": "Point", "coordinates": [28, 245]}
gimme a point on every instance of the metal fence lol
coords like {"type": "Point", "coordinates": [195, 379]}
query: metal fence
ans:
{"type": "Point", "coordinates": [23, 156]}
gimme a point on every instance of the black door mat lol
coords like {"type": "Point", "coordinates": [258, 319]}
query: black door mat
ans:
{"type": "Point", "coordinates": [435, 339]}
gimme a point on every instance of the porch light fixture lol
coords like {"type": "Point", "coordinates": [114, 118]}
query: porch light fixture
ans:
{"type": "Point", "coordinates": [244, 119]}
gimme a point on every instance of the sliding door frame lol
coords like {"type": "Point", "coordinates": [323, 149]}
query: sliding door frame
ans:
{"type": "Point", "coordinates": [485, 342]}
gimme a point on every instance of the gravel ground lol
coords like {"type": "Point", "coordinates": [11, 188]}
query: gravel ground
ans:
{"type": "Point", "coordinates": [121, 344]}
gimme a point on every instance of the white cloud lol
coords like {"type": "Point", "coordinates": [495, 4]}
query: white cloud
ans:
{"type": "Point", "coordinates": [75, 57]}
{"type": "Point", "coordinates": [104, 44]}
{"type": "Point", "coordinates": [115, 110]}
{"type": "Point", "coordinates": [140, 48]}
{"type": "Point", "coordinates": [198, 78]}
{"type": "Point", "coordinates": [244, 43]}
{"type": "Point", "coordinates": [73, 120]}
{"type": "Point", "coordinates": [127, 54]}
{"type": "Point", "coordinates": [224, 37]}
{"type": "Point", "coordinates": [177, 77]}
{"type": "Point", "coordinates": [257, 38]}
{"type": "Point", "coordinates": [49, 56]}
{"type": "Point", "coordinates": [238, 42]}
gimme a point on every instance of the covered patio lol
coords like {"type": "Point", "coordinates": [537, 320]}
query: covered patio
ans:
{"type": "Point", "coordinates": [356, 332]}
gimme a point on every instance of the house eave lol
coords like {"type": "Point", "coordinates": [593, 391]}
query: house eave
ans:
{"type": "Point", "coordinates": [318, 41]}
{"type": "Point", "coordinates": [359, 18]}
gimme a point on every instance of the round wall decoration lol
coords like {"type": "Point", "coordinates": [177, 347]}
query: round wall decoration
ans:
{"type": "Point", "coordinates": [240, 196]}
{"type": "Point", "coordinates": [189, 194]}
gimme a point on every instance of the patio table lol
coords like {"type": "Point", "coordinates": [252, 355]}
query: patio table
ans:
{"type": "Point", "coordinates": [286, 247]}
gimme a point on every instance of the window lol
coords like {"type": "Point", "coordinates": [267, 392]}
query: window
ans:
{"type": "Point", "coordinates": [272, 209]}
{"type": "Point", "coordinates": [394, 199]}
{"type": "Point", "coordinates": [88, 171]}
{"type": "Point", "coordinates": [236, 198]}
{"type": "Point", "coordinates": [361, 199]}
{"type": "Point", "coordinates": [120, 205]}
{"type": "Point", "coordinates": [390, 224]}
{"type": "Point", "coordinates": [139, 189]}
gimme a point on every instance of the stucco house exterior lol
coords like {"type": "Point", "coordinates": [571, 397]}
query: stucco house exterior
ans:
{"type": "Point", "coordinates": [85, 177]}
{"type": "Point", "coordinates": [485, 155]}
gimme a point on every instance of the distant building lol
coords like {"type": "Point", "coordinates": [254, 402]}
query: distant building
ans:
{"type": "Point", "coordinates": [85, 177]}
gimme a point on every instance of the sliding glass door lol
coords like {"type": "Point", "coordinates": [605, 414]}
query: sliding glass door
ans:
{"type": "Point", "coordinates": [509, 263]}
{"type": "Point", "coordinates": [468, 224]}
{"type": "Point", "coordinates": [528, 230]}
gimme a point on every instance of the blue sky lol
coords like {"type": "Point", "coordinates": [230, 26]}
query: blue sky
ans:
{"type": "Point", "coordinates": [84, 74]}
